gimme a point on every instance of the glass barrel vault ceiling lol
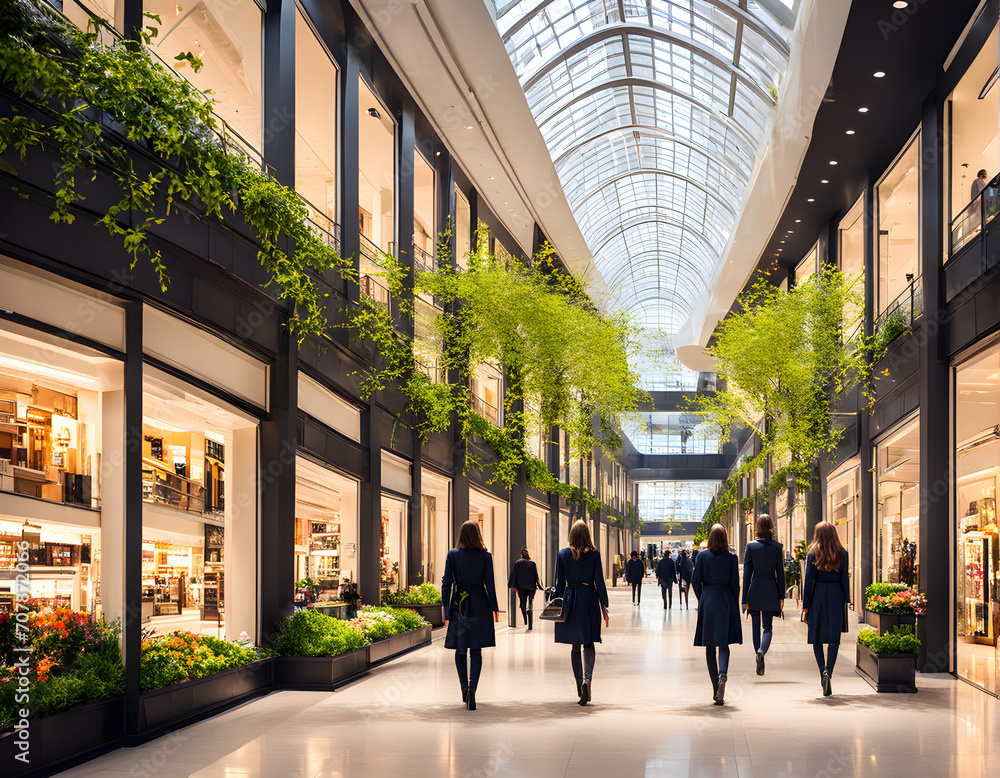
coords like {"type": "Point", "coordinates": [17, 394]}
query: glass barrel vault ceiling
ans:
{"type": "Point", "coordinates": [653, 112]}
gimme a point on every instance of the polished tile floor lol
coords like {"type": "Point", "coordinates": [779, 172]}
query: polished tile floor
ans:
{"type": "Point", "coordinates": [651, 715]}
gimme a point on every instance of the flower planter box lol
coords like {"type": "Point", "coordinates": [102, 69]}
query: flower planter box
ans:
{"type": "Point", "coordinates": [186, 702]}
{"type": "Point", "coordinates": [337, 610]}
{"type": "Point", "coordinates": [885, 622]}
{"type": "Point", "coordinates": [887, 672]}
{"type": "Point", "coordinates": [319, 672]}
{"type": "Point", "coordinates": [62, 738]}
{"type": "Point", "coordinates": [433, 613]}
{"type": "Point", "coordinates": [398, 644]}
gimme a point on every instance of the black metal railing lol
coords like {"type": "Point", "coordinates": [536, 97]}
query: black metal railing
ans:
{"type": "Point", "coordinates": [974, 217]}
{"type": "Point", "coordinates": [899, 315]}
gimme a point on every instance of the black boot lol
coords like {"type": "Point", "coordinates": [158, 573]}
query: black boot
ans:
{"type": "Point", "coordinates": [470, 703]}
{"type": "Point", "coordinates": [530, 614]}
{"type": "Point", "coordinates": [720, 692]}
{"type": "Point", "coordinates": [715, 686]}
{"type": "Point", "coordinates": [465, 694]}
{"type": "Point", "coordinates": [585, 691]}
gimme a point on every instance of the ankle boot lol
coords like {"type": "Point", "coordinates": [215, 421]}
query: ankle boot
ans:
{"type": "Point", "coordinates": [720, 696]}
{"type": "Point", "coordinates": [465, 693]}
{"type": "Point", "coordinates": [470, 703]}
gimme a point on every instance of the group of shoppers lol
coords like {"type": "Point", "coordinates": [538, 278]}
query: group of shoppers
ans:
{"type": "Point", "coordinates": [668, 572]}
{"type": "Point", "coordinates": [468, 596]}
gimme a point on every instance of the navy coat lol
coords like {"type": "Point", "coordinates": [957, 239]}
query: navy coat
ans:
{"type": "Point", "coordinates": [716, 584]}
{"type": "Point", "coordinates": [685, 570]}
{"type": "Point", "coordinates": [524, 575]}
{"type": "Point", "coordinates": [581, 582]}
{"type": "Point", "coordinates": [472, 570]}
{"type": "Point", "coordinates": [666, 572]}
{"type": "Point", "coordinates": [826, 591]}
{"type": "Point", "coordinates": [763, 575]}
{"type": "Point", "coordinates": [635, 570]}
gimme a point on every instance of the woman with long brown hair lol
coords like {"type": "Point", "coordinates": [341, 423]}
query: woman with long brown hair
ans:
{"type": "Point", "coordinates": [580, 582]}
{"type": "Point", "coordinates": [716, 584]}
{"type": "Point", "coordinates": [763, 585]}
{"type": "Point", "coordinates": [827, 589]}
{"type": "Point", "coordinates": [468, 595]}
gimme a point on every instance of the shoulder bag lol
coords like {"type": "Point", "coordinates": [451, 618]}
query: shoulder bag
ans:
{"type": "Point", "coordinates": [556, 608]}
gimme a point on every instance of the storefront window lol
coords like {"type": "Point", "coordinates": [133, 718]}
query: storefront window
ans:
{"type": "Point", "coordinates": [491, 514]}
{"type": "Point", "coordinates": [463, 229]}
{"type": "Point", "coordinates": [326, 530]}
{"type": "Point", "coordinates": [537, 539]}
{"type": "Point", "coordinates": [227, 36]}
{"type": "Point", "coordinates": [315, 120]}
{"type": "Point", "coordinates": [852, 260]}
{"type": "Point", "coordinates": [977, 462]}
{"type": "Point", "coordinates": [843, 501]}
{"type": "Point", "coordinates": [376, 176]}
{"type": "Point", "coordinates": [897, 500]}
{"type": "Point", "coordinates": [392, 545]}
{"type": "Point", "coordinates": [81, 12]}
{"type": "Point", "coordinates": [199, 486]}
{"type": "Point", "coordinates": [64, 564]}
{"type": "Point", "coordinates": [898, 247]}
{"type": "Point", "coordinates": [424, 230]}
{"type": "Point", "coordinates": [435, 529]}
{"type": "Point", "coordinates": [808, 266]}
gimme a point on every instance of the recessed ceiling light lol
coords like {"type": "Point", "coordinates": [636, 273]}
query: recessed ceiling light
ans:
{"type": "Point", "coordinates": [506, 203]}
{"type": "Point", "coordinates": [798, 221]}
{"type": "Point", "coordinates": [811, 200]}
{"type": "Point", "coordinates": [790, 232]}
{"type": "Point", "coordinates": [823, 181]}
{"type": "Point", "coordinates": [900, 4]}
{"type": "Point", "coordinates": [833, 162]}
{"type": "Point", "coordinates": [781, 241]}
{"type": "Point", "coordinates": [849, 132]}
{"type": "Point", "coordinates": [437, 153]}
{"type": "Point", "coordinates": [879, 74]}
{"type": "Point", "coordinates": [862, 109]}
{"type": "Point", "coordinates": [469, 127]}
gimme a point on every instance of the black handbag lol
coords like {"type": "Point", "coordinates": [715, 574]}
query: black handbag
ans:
{"type": "Point", "coordinates": [556, 608]}
{"type": "Point", "coordinates": [846, 626]}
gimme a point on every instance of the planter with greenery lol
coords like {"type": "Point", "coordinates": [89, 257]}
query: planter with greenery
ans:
{"type": "Point", "coordinates": [890, 605]}
{"type": "Point", "coordinates": [888, 662]}
{"type": "Point", "coordinates": [424, 599]}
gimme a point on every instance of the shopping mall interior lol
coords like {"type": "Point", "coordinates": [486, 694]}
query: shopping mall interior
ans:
{"type": "Point", "coordinates": [640, 268]}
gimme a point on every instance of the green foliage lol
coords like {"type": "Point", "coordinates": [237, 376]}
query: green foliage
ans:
{"type": "Point", "coordinates": [424, 594]}
{"type": "Point", "coordinates": [893, 326]}
{"type": "Point", "coordinates": [883, 590]}
{"type": "Point", "coordinates": [901, 640]}
{"type": "Point", "coordinates": [310, 633]}
{"type": "Point", "coordinates": [180, 656]}
{"type": "Point", "coordinates": [81, 86]}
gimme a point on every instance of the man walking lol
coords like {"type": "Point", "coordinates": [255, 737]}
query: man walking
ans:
{"type": "Point", "coordinates": [524, 580]}
{"type": "Point", "coordinates": [635, 571]}
{"type": "Point", "coordinates": [666, 574]}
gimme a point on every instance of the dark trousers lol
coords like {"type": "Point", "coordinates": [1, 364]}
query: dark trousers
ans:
{"type": "Point", "coordinates": [716, 666]}
{"type": "Point", "coordinates": [468, 672]}
{"type": "Point", "coordinates": [525, 600]}
{"type": "Point", "coordinates": [832, 650]}
{"type": "Point", "coordinates": [637, 589]}
{"type": "Point", "coordinates": [684, 588]}
{"type": "Point", "coordinates": [761, 643]}
{"type": "Point", "coordinates": [668, 595]}
{"type": "Point", "coordinates": [583, 670]}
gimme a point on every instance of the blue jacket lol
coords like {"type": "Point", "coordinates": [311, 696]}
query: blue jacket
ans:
{"type": "Point", "coordinates": [666, 572]}
{"type": "Point", "coordinates": [716, 584]}
{"type": "Point", "coordinates": [685, 570]}
{"type": "Point", "coordinates": [825, 592]}
{"type": "Point", "coordinates": [763, 575]}
{"type": "Point", "coordinates": [470, 624]}
{"type": "Point", "coordinates": [635, 570]}
{"type": "Point", "coordinates": [581, 583]}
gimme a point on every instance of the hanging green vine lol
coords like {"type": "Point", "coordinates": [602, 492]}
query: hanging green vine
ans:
{"type": "Point", "coordinates": [76, 88]}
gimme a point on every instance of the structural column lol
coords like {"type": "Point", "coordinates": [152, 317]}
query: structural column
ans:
{"type": "Point", "coordinates": [866, 518]}
{"type": "Point", "coordinates": [132, 545]}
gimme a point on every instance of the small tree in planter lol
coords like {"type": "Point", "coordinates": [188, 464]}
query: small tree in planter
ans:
{"type": "Point", "coordinates": [889, 662]}
{"type": "Point", "coordinates": [893, 605]}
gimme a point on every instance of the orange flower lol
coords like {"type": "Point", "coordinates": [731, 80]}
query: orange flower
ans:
{"type": "Point", "coordinates": [59, 626]}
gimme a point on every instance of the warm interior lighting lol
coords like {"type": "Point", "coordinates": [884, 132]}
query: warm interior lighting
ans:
{"type": "Point", "coordinates": [879, 74]}
{"type": "Point", "coordinates": [849, 132]}
{"type": "Point", "coordinates": [47, 372]}
{"type": "Point", "coordinates": [900, 3]}
{"type": "Point", "coordinates": [862, 109]}
{"type": "Point", "coordinates": [833, 162]}
{"type": "Point", "coordinates": [824, 181]}
{"type": "Point", "coordinates": [811, 200]}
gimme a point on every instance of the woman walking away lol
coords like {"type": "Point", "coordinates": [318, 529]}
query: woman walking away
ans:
{"type": "Point", "coordinates": [827, 588]}
{"type": "Point", "coordinates": [716, 583]}
{"type": "Point", "coordinates": [763, 585]}
{"type": "Point", "coordinates": [685, 571]}
{"type": "Point", "coordinates": [580, 582]}
{"type": "Point", "coordinates": [524, 580]}
{"type": "Point", "coordinates": [666, 574]}
{"type": "Point", "coordinates": [468, 595]}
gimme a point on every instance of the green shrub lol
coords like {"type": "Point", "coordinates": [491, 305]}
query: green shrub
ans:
{"type": "Point", "coordinates": [425, 594]}
{"type": "Point", "coordinates": [309, 633]}
{"type": "Point", "coordinates": [901, 640]}
{"type": "Point", "coordinates": [883, 590]}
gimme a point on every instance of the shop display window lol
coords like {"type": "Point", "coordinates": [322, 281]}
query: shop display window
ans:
{"type": "Point", "coordinates": [977, 468]}
{"type": "Point", "coordinates": [463, 229]}
{"type": "Point", "coordinates": [897, 495]}
{"type": "Point", "coordinates": [227, 36]}
{"type": "Point", "coordinates": [326, 531]}
{"type": "Point", "coordinates": [491, 513]}
{"type": "Point", "coordinates": [435, 525]}
{"type": "Point", "coordinates": [316, 78]}
{"type": "Point", "coordinates": [376, 188]}
{"type": "Point", "coordinates": [392, 545]}
{"type": "Point", "coordinates": [843, 499]}
{"type": "Point", "coordinates": [897, 249]}
{"type": "Point", "coordinates": [851, 233]}
{"type": "Point", "coordinates": [424, 197]}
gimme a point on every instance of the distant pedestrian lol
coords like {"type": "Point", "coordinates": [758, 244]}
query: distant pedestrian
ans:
{"type": "Point", "coordinates": [524, 580]}
{"type": "Point", "coordinates": [717, 586]}
{"type": "Point", "coordinates": [468, 595]}
{"type": "Point", "coordinates": [635, 571]}
{"type": "Point", "coordinates": [352, 597]}
{"type": "Point", "coordinates": [827, 590]}
{"type": "Point", "coordinates": [666, 575]}
{"type": "Point", "coordinates": [580, 582]}
{"type": "Point", "coordinates": [685, 572]}
{"type": "Point", "coordinates": [979, 184]}
{"type": "Point", "coordinates": [763, 585]}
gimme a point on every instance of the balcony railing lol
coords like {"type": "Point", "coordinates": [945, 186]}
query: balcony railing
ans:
{"type": "Point", "coordinates": [489, 412]}
{"type": "Point", "coordinates": [325, 228]}
{"type": "Point", "coordinates": [899, 315]}
{"type": "Point", "coordinates": [431, 369]}
{"type": "Point", "coordinates": [423, 261]}
{"type": "Point", "coordinates": [373, 286]}
{"type": "Point", "coordinates": [166, 488]}
{"type": "Point", "coordinates": [973, 218]}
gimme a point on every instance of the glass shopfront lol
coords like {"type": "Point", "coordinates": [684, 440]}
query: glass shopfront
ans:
{"type": "Point", "coordinates": [843, 510]}
{"type": "Point", "coordinates": [199, 486]}
{"type": "Point", "coordinates": [897, 503]}
{"type": "Point", "coordinates": [392, 544]}
{"type": "Point", "coordinates": [537, 538]}
{"type": "Point", "coordinates": [977, 468]}
{"type": "Point", "coordinates": [435, 525]}
{"type": "Point", "coordinates": [491, 513]}
{"type": "Point", "coordinates": [376, 188]}
{"type": "Point", "coordinates": [897, 248]}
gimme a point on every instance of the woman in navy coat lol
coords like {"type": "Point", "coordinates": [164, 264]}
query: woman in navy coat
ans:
{"type": "Point", "coordinates": [580, 582]}
{"type": "Point", "coordinates": [685, 572]}
{"type": "Point", "coordinates": [716, 583]}
{"type": "Point", "coordinates": [468, 595]}
{"type": "Point", "coordinates": [763, 584]}
{"type": "Point", "coordinates": [827, 588]}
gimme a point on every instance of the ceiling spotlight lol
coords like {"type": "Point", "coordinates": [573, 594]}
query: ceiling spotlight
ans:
{"type": "Point", "coordinates": [469, 127]}
{"type": "Point", "coordinates": [781, 241]}
{"type": "Point", "coordinates": [849, 132]}
{"type": "Point", "coordinates": [437, 153]}
{"type": "Point", "coordinates": [879, 74]}
{"type": "Point", "coordinates": [491, 178]}
{"type": "Point", "coordinates": [833, 162]}
{"type": "Point", "coordinates": [798, 221]}
{"type": "Point", "coordinates": [823, 181]}
{"type": "Point", "coordinates": [811, 200]}
{"type": "Point", "coordinates": [900, 4]}
{"type": "Point", "coordinates": [373, 112]}
{"type": "Point", "coordinates": [862, 109]}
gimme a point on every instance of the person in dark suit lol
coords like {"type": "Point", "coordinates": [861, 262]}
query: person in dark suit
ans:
{"type": "Point", "coordinates": [635, 571]}
{"type": "Point", "coordinates": [524, 580]}
{"type": "Point", "coordinates": [468, 596]}
{"type": "Point", "coordinates": [827, 588]}
{"type": "Point", "coordinates": [763, 585]}
{"type": "Point", "coordinates": [716, 583]}
{"type": "Point", "coordinates": [666, 574]}
{"type": "Point", "coordinates": [685, 572]}
{"type": "Point", "coordinates": [580, 581]}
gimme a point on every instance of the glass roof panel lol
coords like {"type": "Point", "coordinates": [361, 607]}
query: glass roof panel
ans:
{"type": "Point", "coordinates": [653, 112]}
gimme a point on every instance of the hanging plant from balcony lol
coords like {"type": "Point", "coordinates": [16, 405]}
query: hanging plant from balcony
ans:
{"type": "Point", "coordinates": [112, 109]}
